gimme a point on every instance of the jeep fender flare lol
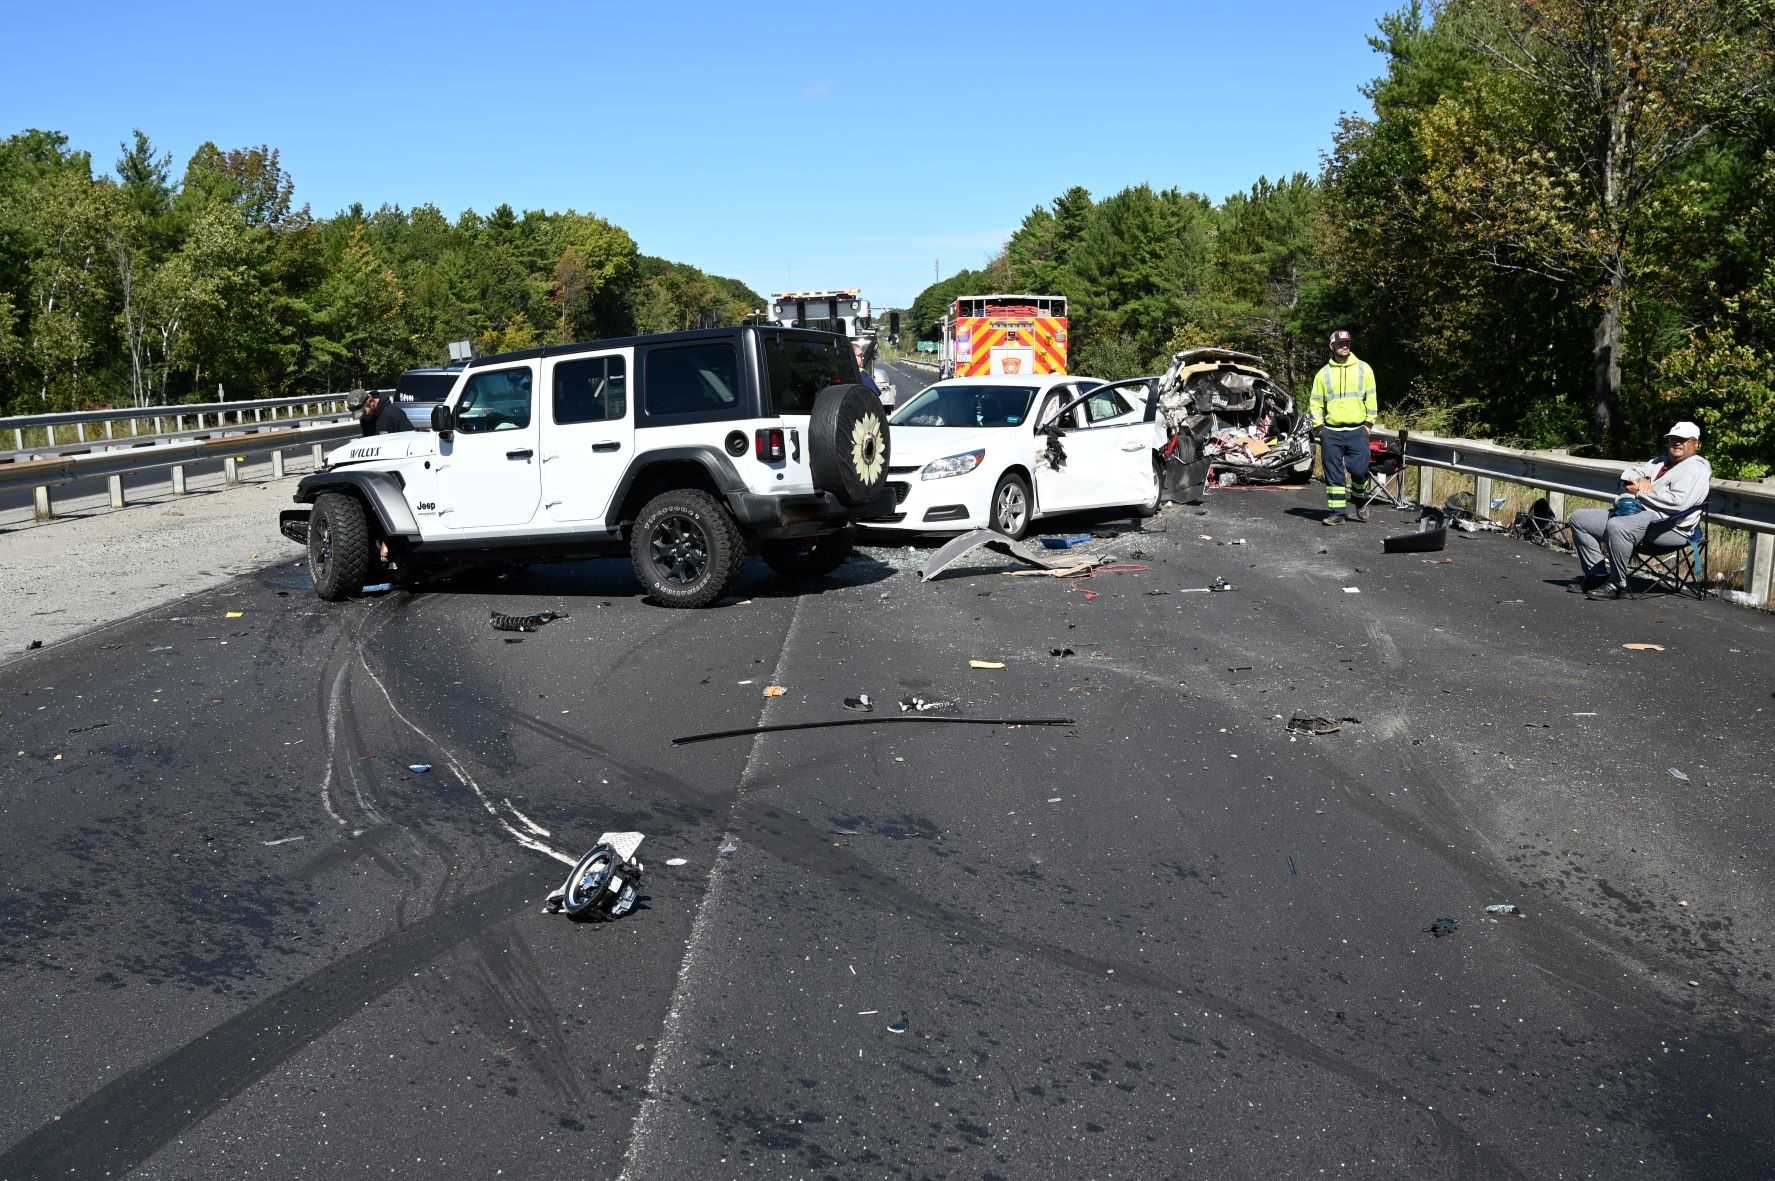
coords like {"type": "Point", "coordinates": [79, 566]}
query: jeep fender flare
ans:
{"type": "Point", "coordinates": [381, 493]}
{"type": "Point", "coordinates": [713, 461]}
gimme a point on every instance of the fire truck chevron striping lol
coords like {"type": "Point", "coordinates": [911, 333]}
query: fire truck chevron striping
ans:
{"type": "Point", "coordinates": [1009, 334]}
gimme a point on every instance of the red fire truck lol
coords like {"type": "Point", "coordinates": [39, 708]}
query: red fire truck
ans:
{"type": "Point", "coordinates": [1005, 334]}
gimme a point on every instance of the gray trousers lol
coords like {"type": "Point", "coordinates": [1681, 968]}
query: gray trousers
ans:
{"type": "Point", "coordinates": [1594, 531]}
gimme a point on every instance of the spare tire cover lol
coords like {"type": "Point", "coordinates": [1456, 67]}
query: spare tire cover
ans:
{"type": "Point", "coordinates": [848, 444]}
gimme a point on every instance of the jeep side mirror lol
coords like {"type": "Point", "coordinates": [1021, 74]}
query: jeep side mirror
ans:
{"type": "Point", "coordinates": [441, 423]}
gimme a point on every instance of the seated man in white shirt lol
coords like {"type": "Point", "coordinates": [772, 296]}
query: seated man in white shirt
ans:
{"type": "Point", "coordinates": [1669, 490]}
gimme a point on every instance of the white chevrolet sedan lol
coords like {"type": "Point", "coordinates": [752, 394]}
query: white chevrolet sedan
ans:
{"type": "Point", "coordinates": [999, 452]}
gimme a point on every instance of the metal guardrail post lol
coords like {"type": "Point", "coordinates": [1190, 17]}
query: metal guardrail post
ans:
{"type": "Point", "coordinates": [42, 507]}
{"type": "Point", "coordinates": [1482, 495]}
{"type": "Point", "coordinates": [114, 485]}
{"type": "Point", "coordinates": [231, 470]}
{"type": "Point", "coordinates": [108, 433]}
{"type": "Point", "coordinates": [80, 431]}
{"type": "Point", "coordinates": [277, 465]}
{"type": "Point", "coordinates": [1426, 485]}
{"type": "Point", "coordinates": [320, 455]}
{"type": "Point", "coordinates": [18, 438]}
{"type": "Point", "coordinates": [178, 479]}
{"type": "Point", "coordinates": [1556, 502]}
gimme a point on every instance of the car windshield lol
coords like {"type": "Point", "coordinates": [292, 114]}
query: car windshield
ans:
{"type": "Point", "coordinates": [967, 406]}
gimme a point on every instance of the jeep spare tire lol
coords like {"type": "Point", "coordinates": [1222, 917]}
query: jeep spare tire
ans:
{"type": "Point", "coordinates": [848, 444]}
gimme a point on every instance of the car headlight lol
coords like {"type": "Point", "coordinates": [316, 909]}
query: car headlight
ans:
{"type": "Point", "coordinates": [952, 465]}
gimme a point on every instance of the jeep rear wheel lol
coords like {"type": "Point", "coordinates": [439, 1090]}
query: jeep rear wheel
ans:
{"type": "Point", "coordinates": [809, 557]}
{"type": "Point", "coordinates": [686, 549]}
{"type": "Point", "coordinates": [338, 546]}
{"type": "Point", "coordinates": [848, 444]}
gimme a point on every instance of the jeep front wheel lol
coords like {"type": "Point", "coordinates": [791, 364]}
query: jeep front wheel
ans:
{"type": "Point", "coordinates": [686, 549]}
{"type": "Point", "coordinates": [809, 557]}
{"type": "Point", "coordinates": [338, 546]}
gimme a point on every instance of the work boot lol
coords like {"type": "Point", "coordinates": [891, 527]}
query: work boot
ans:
{"type": "Point", "coordinates": [1332, 519]}
{"type": "Point", "coordinates": [1360, 515]}
{"type": "Point", "coordinates": [1608, 592]}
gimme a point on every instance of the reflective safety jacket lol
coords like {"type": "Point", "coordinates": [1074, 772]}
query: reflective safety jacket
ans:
{"type": "Point", "coordinates": [1343, 394]}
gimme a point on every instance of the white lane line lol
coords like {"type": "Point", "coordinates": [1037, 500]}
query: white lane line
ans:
{"type": "Point", "coordinates": [524, 820]}
{"type": "Point", "coordinates": [464, 778]}
{"type": "Point", "coordinates": [670, 1047]}
{"type": "Point", "coordinates": [326, 783]}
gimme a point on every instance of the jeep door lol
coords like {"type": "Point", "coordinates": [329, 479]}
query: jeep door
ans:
{"type": "Point", "coordinates": [488, 474]}
{"type": "Point", "coordinates": [588, 436]}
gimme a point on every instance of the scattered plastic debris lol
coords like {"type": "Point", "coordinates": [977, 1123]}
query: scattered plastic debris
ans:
{"type": "Point", "coordinates": [1308, 724]}
{"type": "Point", "coordinates": [916, 704]}
{"type": "Point", "coordinates": [524, 623]}
{"type": "Point", "coordinates": [514, 639]}
{"type": "Point", "coordinates": [1090, 595]}
{"type": "Point", "coordinates": [1069, 542]}
{"type": "Point", "coordinates": [419, 768]}
{"type": "Point", "coordinates": [1238, 668]}
{"type": "Point", "coordinates": [969, 542]}
{"type": "Point", "coordinates": [1643, 647]}
{"type": "Point", "coordinates": [860, 704]}
{"type": "Point", "coordinates": [1443, 926]}
{"type": "Point", "coordinates": [604, 884]}
{"type": "Point", "coordinates": [1678, 775]}
{"type": "Point", "coordinates": [84, 729]}
{"type": "Point", "coordinates": [898, 1026]}
{"type": "Point", "coordinates": [986, 664]}
{"type": "Point", "coordinates": [1589, 713]}
{"type": "Point", "coordinates": [774, 690]}
{"type": "Point", "coordinates": [1237, 541]}
{"type": "Point", "coordinates": [1156, 594]}
{"type": "Point", "coordinates": [784, 727]}
{"type": "Point", "coordinates": [34, 645]}
{"type": "Point", "coordinates": [1055, 799]}
{"type": "Point", "coordinates": [1439, 561]}
{"type": "Point", "coordinates": [235, 615]}
{"type": "Point", "coordinates": [1352, 590]}
{"type": "Point", "coordinates": [378, 588]}
{"type": "Point", "coordinates": [1219, 584]}
{"type": "Point", "coordinates": [1503, 908]}
{"type": "Point", "coordinates": [281, 841]}
{"type": "Point", "coordinates": [675, 861]}
{"type": "Point", "coordinates": [1060, 652]}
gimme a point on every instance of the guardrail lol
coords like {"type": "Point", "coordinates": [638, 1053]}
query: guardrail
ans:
{"type": "Point", "coordinates": [80, 420]}
{"type": "Point", "coordinates": [1736, 504]}
{"type": "Point", "coordinates": [41, 475]}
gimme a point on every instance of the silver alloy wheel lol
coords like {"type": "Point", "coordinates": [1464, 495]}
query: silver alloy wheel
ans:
{"type": "Point", "coordinates": [1012, 509]}
{"type": "Point", "coordinates": [1151, 503]}
{"type": "Point", "coordinates": [680, 549]}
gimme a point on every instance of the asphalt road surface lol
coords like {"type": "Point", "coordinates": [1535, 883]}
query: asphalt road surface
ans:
{"type": "Point", "coordinates": [239, 936]}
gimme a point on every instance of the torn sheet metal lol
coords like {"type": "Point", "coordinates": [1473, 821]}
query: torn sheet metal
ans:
{"type": "Point", "coordinates": [967, 543]}
{"type": "Point", "coordinates": [524, 623]}
{"type": "Point", "coordinates": [1427, 541]}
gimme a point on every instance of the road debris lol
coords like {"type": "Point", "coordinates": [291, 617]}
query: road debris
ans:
{"type": "Point", "coordinates": [524, 623]}
{"type": "Point", "coordinates": [1503, 908]}
{"type": "Point", "coordinates": [1060, 652]}
{"type": "Point", "coordinates": [748, 731]}
{"type": "Point", "coordinates": [675, 861]}
{"type": "Point", "coordinates": [33, 645]}
{"type": "Point", "coordinates": [986, 664]}
{"type": "Point", "coordinates": [916, 704]}
{"type": "Point", "coordinates": [1674, 773]}
{"type": "Point", "coordinates": [774, 690]}
{"type": "Point", "coordinates": [899, 1026]}
{"type": "Point", "coordinates": [1238, 668]}
{"type": "Point", "coordinates": [860, 704]}
{"type": "Point", "coordinates": [1423, 541]}
{"type": "Point", "coordinates": [604, 884]}
{"type": "Point", "coordinates": [1441, 927]}
{"type": "Point", "coordinates": [419, 768]}
{"type": "Point", "coordinates": [84, 729]}
{"type": "Point", "coordinates": [1219, 584]}
{"type": "Point", "coordinates": [969, 542]}
{"type": "Point", "coordinates": [514, 639]}
{"type": "Point", "coordinates": [1069, 542]}
{"type": "Point", "coordinates": [1309, 724]}
{"type": "Point", "coordinates": [1352, 590]}
{"type": "Point", "coordinates": [281, 841]}
{"type": "Point", "coordinates": [235, 615]}
{"type": "Point", "coordinates": [379, 588]}
{"type": "Point", "coordinates": [1643, 647]}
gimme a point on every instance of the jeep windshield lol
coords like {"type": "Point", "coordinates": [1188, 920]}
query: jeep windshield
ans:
{"type": "Point", "coordinates": [967, 406]}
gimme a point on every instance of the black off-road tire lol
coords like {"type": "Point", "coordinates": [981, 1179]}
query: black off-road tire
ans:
{"type": "Point", "coordinates": [1011, 489]}
{"type": "Point", "coordinates": [686, 548]}
{"type": "Point", "coordinates": [848, 444]}
{"type": "Point", "coordinates": [809, 557]}
{"type": "Point", "coordinates": [338, 546]}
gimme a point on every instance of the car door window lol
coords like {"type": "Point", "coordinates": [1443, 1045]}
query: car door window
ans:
{"type": "Point", "coordinates": [693, 379]}
{"type": "Point", "coordinates": [1057, 398]}
{"type": "Point", "coordinates": [1104, 405]}
{"type": "Point", "coordinates": [495, 401]}
{"type": "Point", "coordinates": [592, 389]}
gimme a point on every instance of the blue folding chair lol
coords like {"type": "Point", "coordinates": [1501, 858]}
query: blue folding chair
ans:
{"type": "Point", "coordinates": [1680, 568]}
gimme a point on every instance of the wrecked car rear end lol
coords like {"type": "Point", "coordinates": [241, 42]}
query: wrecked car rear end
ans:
{"type": "Point", "coordinates": [1222, 407]}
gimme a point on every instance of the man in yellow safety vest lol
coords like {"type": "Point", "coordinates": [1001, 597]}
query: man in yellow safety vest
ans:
{"type": "Point", "coordinates": [1343, 408]}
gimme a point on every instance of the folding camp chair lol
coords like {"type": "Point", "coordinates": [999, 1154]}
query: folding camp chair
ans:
{"type": "Point", "coordinates": [1679, 568]}
{"type": "Point", "coordinates": [1386, 472]}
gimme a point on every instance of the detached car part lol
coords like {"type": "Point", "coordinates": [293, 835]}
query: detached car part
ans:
{"type": "Point", "coordinates": [605, 883]}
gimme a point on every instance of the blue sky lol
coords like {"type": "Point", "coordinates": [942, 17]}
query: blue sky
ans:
{"type": "Point", "coordinates": [788, 146]}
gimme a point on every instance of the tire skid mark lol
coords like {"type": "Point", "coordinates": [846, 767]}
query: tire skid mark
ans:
{"type": "Point", "coordinates": [130, 1118]}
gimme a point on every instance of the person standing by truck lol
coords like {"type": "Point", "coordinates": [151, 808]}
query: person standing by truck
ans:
{"type": "Point", "coordinates": [377, 415]}
{"type": "Point", "coordinates": [1342, 405]}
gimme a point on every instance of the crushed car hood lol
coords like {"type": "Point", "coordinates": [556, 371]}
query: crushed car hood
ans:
{"type": "Point", "coordinates": [915, 446]}
{"type": "Point", "coordinates": [382, 448]}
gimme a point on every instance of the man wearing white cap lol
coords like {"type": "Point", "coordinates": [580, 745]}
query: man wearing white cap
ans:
{"type": "Point", "coordinates": [1660, 499]}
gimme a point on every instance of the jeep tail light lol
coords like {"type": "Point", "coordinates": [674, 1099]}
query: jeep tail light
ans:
{"type": "Point", "coordinates": [768, 445]}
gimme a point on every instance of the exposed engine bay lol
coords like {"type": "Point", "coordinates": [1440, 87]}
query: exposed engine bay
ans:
{"type": "Point", "coordinates": [1248, 429]}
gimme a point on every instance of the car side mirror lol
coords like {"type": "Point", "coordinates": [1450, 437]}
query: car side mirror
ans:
{"type": "Point", "coordinates": [441, 422]}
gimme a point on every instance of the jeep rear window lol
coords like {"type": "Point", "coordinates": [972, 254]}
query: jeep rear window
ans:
{"type": "Point", "coordinates": [692, 379]}
{"type": "Point", "coordinates": [800, 369]}
{"type": "Point", "coordinates": [425, 387]}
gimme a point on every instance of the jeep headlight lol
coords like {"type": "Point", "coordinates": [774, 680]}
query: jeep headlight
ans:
{"type": "Point", "coordinates": [952, 465]}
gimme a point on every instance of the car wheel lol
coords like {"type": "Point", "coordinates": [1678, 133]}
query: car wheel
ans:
{"type": "Point", "coordinates": [686, 548]}
{"type": "Point", "coordinates": [338, 546]}
{"type": "Point", "coordinates": [810, 557]}
{"type": "Point", "coordinates": [1011, 506]}
{"type": "Point", "coordinates": [848, 444]}
{"type": "Point", "coordinates": [588, 880]}
{"type": "Point", "coordinates": [1150, 506]}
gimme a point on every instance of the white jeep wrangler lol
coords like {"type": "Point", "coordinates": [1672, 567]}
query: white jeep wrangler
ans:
{"type": "Point", "coordinates": [689, 449]}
